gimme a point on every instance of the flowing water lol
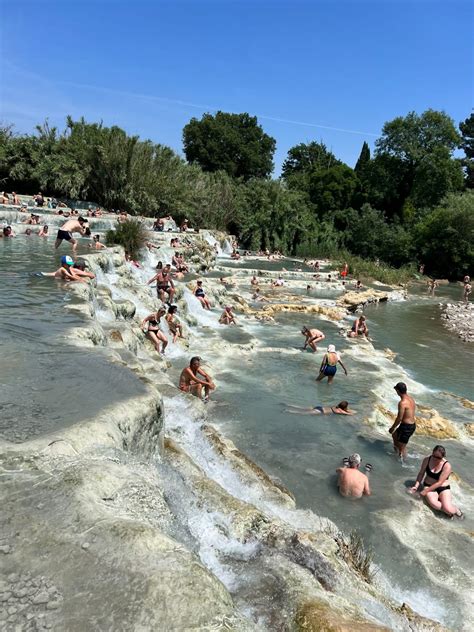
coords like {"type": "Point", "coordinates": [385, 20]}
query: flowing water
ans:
{"type": "Point", "coordinates": [260, 368]}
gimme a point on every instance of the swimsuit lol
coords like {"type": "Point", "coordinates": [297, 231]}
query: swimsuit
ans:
{"type": "Point", "coordinates": [153, 325]}
{"type": "Point", "coordinates": [64, 234]}
{"type": "Point", "coordinates": [330, 369]}
{"type": "Point", "coordinates": [199, 292]}
{"type": "Point", "coordinates": [320, 408]}
{"type": "Point", "coordinates": [435, 476]}
{"type": "Point", "coordinates": [404, 432]}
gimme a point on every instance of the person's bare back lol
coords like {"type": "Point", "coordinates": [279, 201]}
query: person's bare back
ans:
{"type": "Point", "coordinates": [406, 409]}
{"type": "Point", "coordinates": [352, 483]}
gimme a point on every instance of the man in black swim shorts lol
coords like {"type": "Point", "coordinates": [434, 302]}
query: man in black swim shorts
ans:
{"type": "Point", "coordinates": [79, 225]}
{"type": "Point", "coordinates": [404, 425]}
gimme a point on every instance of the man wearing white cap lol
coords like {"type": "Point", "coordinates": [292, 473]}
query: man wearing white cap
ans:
{"type": "Point", "coordinates": [350, 481]}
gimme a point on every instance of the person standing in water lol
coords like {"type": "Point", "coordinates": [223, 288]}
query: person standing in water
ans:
{"type": "Point", "coordinates": [467, 288]}
{"type": "Point", "coordinates": [329, 365]}
{"type": "Point", "coordinates": [340, 409]}
{"type": "Point", "coordinates": [404, 425]}
{"type": "Point", "coordinates": [193, 379]}
{"type": "Point", "coordinates": [79, 225]}
{"type": "Point", "coordinates": [433, 475]}
{"type": "Point", "coordinates": [313, 336]}
{"type": "Point", "coordinates": [153, 330]}
{"type": "Point", "coordinates": [350, 481]}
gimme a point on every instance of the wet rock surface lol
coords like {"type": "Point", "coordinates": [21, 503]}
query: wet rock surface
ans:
{"type": "Point", "coordinates": [459, 318]}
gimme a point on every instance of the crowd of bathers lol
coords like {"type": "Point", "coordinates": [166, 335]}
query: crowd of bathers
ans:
{"type": "Point", "coordinates": [432, 480]}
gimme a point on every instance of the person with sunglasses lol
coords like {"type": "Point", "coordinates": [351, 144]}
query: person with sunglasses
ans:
{"type": "Point", "coordinates": [434, 474]}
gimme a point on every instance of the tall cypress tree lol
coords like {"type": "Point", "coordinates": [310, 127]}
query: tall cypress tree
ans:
{"type": "Point", "coordinates": [467, 143]}
{"type": "Point", "coordinates": [363, 161]}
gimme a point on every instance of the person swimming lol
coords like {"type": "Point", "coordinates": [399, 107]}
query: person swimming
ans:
{"type": "Point", "coordinates": [340, 409]}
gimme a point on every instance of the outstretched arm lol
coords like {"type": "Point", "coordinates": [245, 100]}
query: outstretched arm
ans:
{"type": "Point", "coordinates": [345, 370]}
{"type": "Point", "coordinates": [421, 475]}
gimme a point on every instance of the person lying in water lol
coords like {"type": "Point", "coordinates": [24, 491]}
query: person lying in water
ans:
{"type": "Point", "coordinates": [313, 336]}
{"type": "Point", "coordinates": [340, 409]}
{"type": "Point", "coordinates": [193, 379]}
{"type": "Point", "coordinates": [433, 475]}
{"type": "Point", "coordinates": [350, 481]}
{"type": "Point", "coordinates": [65, 272]}
{"type": "Point", "coordinates": [258, 297]}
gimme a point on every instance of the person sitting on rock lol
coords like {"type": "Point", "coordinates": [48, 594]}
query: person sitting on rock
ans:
{"type": "Point", "coordinates": [350, 481]}
{"type": "Point", "coordinates": [258, 297]}
{"type": "Point", "coordinates": [227, 317]}
{"type": "Point", "coordinates": [193, 379]}
{"type": "Point", "coordinates": [164, 283]}
{"type": "Point", "coordinates": [433, 475]}
{"type": "Point", "coordinates": [313, 336]}
{"type": "Point", "coordinates": [174, 325]}
{"type": "Point", "coordinates": [153, 331]}
{"type": "Point", "coordinates": [201, 296]}
{"type": "Point", "coordinates": [359, 327]}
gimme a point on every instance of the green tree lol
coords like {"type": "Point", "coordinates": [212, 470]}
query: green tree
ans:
{"type": "Point", "coordinates": [422, 145]}
{"type": "Point", "coordinates": [305, 158]}
{"type": "Point", "coordinates": [234, 143]}
{"type": "Point", "coordinates": [363, 161]}
{"type": "Point", "coordinates": [445, 237]}
{"type": "Point", "coordinates": [467, 144]}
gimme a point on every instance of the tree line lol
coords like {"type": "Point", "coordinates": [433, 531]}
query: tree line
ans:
{"type": "Point", "coordinates": [411, 201]}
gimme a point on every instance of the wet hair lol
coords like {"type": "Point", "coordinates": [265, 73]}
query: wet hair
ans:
{"type": "Point", "coordinates": [441, 449]}
{"type": "Point", "coordinates": [7, 230]}
{"type": "Point", "coordinates": [87, 231]}
{"type": "Point", "coordinates": [45, 227]}
{"type": "Point", "coordinates": [194, 359]}
{"type": "Point", "coordinates": [172, 309]}
{"type": "Point", "coordinates": [80, 265]}
{"type": "Point", "coordinates": [81, 219]}
{"type": "Point", "coordinates": [343, 405]}
{"type": "Point", "coordinates": [199, 282]}
{"type": "Point", "coordinates": [362, 317]}
{"type": "Point", "coordinates": [97, 237]}
{"type": "Point", "coordinates": [159, 265]}
{"type": "Point", "coordinates": [401, 387]}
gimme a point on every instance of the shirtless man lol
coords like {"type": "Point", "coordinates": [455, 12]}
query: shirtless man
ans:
{"type": "Point", "coordinates": [254, 280]}
{"type": "Point", "coordinates": [164, 284]}
{"type": "Point", "coordinates": [313, 336]}
{"type": "Point", "coordinates": [351, 482]}
{"type": "Point", "coordinates": [404, 425]}
{"type": "Point", "coordinates": [79, 225]}
{"type": "Point", "coordinates": [190, 380]}
{"type": "Point", "coordinates": [79, 269]}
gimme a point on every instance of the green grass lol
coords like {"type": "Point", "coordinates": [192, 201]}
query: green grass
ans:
{"type": "Point", "coordinates": [367, 270]}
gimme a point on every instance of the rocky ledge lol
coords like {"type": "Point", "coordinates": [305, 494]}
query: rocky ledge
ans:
{"type": "Point", "coordinates": [459, 317]}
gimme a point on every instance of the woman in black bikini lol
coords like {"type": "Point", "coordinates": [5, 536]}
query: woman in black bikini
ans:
{"type": "Point", "coordinates": [341, 409]}
{"type": "Point", "coordinates": [153, 330]}
{"type": "Point", "coordinates": [435, 471]}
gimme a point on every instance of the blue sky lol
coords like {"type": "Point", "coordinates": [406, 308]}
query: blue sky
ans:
{"type": "Point", "coordinates": [332, 71]}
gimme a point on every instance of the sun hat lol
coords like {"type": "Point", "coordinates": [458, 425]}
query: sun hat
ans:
{"type": "Point", "coordinates": [331, 348]}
